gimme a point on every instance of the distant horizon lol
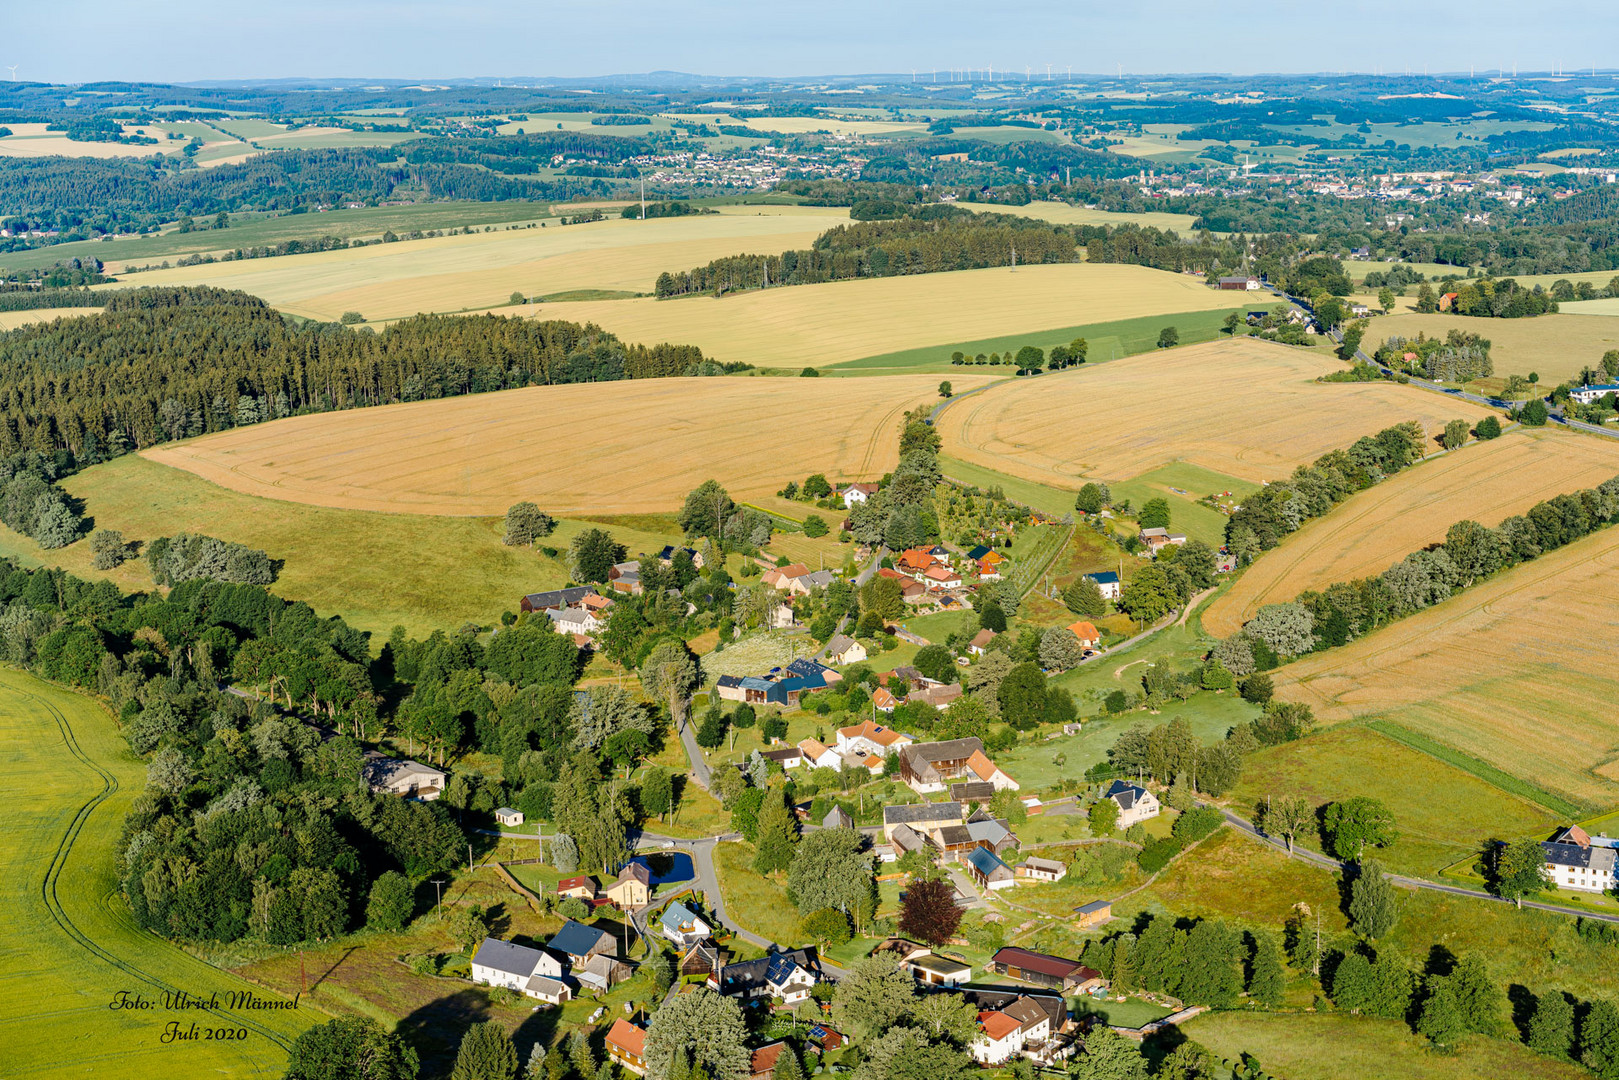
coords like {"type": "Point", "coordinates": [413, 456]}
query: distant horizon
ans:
{"type": "Point", "coordinates": [181, 42]}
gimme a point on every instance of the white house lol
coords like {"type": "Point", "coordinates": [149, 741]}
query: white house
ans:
{"type": "Point", "coordinates": [683, 926]}
{"type": "Point", "coordinates": [1035, 868]}
{"type": "Point", "coordinates": [1136, 803]}
{"type": "Point", "coordinates": [410, 779]}
{"type": "Point", "coordinates": [871, 738]}
{"type": "Point", "coordinates": [1000, 1039]}
{"type": "Point", "coordinates": [787, 979]}
{"type": "Point", "coordinates": [535, 972]}
{"type": "Point", "coordinates": [1108, 583]}
{"type": "Point", "coordinates": [857, 493]}
{"type": "Point", "coordinates": [1574, 861]}
{"type": "Point", "coordinates": [508, 817]}
{"type": "Point", "coordinates": [575, 620]}
{"type": "Point", "coordinates": [843, 649]}
{"type": "Point", "coordinates": [818, 755]}
{"type": "Point", "coordinates": [1585, 395]}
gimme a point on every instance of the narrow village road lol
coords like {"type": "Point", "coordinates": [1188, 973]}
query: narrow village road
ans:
{"type": "Point", "coordinates": [706, 880]}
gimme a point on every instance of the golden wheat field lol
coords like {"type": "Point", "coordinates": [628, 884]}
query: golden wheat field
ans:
{"type": "Point", "coordinates": [818, 325]}
{"type": "Point", "coordinates": [11, 320]}
{"type": "Point", "coordinates": [631, 447]}
{"type": "Point", "coordinates": [1375, 528]}
{"type": "Point", "coordinates": [1555, 347]}
{"type": "Point", "coordinates": [455, 273]}
{"type": "Point", "coordinates": [1517, 671]}
{"type": "Point", "coordinates": [1245, 408]}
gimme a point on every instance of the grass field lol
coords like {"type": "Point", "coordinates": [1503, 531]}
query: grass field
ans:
{"type": "Point", "coordinates": [1244, 408]}
{"type": "Point", "coordinates": [1517, 672]}
{"type": "Point", "coordinates": [1105, 341]}
{"type": "Point", "coordinates": [1341, 1047]}
{"type": "Point", "coordinates": [376, 570]}
{"type": "Point", "coordinates": [1443, 813]}
{"type": "Point", "coordinates": [1182, 484]}
{"type": "Point", "coordinates": [71, 945]}
{"type": "Point", "coordinates": [255, 230]}
{"type": "Point", "coordinates": [477, 455]}
{"type": "Point", "coordinates": [455, 273]}
{"type": "Point", "coordinates": [840, 321]}
{"type": "Point", "coordinates": [1373, 529]}
{"type": "Point", "coordinates": [1555, 347]}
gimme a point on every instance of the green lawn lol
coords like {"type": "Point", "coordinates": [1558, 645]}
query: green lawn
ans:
{"type": "Point", "coordinates": [1107, 341]}
{"type": "Point", "coordinates": [1182, 484]}
{"type": "Point", "coordinates": [1052, 500]}
{"type": "Point", "coordinates": [1443, 813]}
{"type": "Point", "coordinates": [1131, 1013]}
{"type": "Point", "coordinates": [1340, 1047]}
{"type": "Point", "coordinates": [71, 944]}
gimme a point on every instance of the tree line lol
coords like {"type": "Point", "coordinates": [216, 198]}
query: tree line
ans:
{"type": "Point", "coordinates": [168, 363]}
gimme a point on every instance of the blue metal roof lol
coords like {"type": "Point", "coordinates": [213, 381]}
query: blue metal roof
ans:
{"type": "Point", "coordinates": [985, 861]}
{"type": "Point", "coordinates": [1106, 577]}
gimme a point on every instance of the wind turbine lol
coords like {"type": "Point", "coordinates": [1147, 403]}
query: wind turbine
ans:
{"type": "Point", "coordinates": [13, 68]}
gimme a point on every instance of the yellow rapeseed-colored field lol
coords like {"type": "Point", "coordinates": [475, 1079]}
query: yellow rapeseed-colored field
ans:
{"type": "Point", "coordinates": [1244, 408]}
{"type": "Point", "coordinates": [818, 325]}
{"type": "Point", "coordinates": [1485, 482]}
{"type": "Point", "coordinates": [1517, 671]}
{"type": "Point", "coordinates": [1555, 347]}
{"type": "Point", "coordinates": [455, 273]}
{"type": "Point", "coordinates": [631, 447]}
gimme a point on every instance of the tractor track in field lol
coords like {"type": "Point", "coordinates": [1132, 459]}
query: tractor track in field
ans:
{"type": "Point", "coordinates": [64, 847]}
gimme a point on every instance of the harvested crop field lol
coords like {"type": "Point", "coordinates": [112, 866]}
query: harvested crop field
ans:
{"type": "Point", "coordinates": [11, 320]}
{"type": "Point", "coordinates": [631, 447]}
{"type": "Point", "coordinates": [1373, 529]}
{"type": "Point", "coordinates": [820, 325]}
{"type": "Point", "coordinates": [456, 273]}
{"type": "Point", "coordinates": [1246, 408]}
{"type": "Point", "coordinates": [1517, 672]}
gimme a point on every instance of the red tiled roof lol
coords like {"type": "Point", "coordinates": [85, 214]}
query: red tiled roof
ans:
{"type": "Point", "coordinates": [627, 1037]}
{"type": "Point", "coordinates": [764, 1058]}
{"type": "Point", "coordinates": [997, 1025]}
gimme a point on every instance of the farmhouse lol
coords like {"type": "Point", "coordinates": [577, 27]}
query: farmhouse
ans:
{"type": "Point", "coordinates": [856, 493]}
{"type": "Point", "coordinates": [633, 889]}
{"type": "Point", "coordinates": [980, 791]}
{"type": "Point", "coordinates": [928, 767]}
{"type": "Point", "coordinates": [941, 577]}
{"type": "Point", "coordinates": [843, 649]}
{"type": "Point", "coordinates": [1000, 1039]}
{"type": "Point", "coordinates": [871, 738]}
{"type": "Point", "coordinates": [921, 817]}
{"type": "Point", "coordinates": [1042, 969]}
{"type": "Point", "coordinates": [1089, 637]}
{"type": "Point", "coordinates": [704, 958]}
{"type": "Point", "coordinates": [556, 599]}
{"type": "Point", "coordinates": [1574, 861]}
{"type": "Point", "coordinates": [602, 972]}
{"type": "Point", "coordinates": [790, 758]}
{"type": "Point", "coordinates": [1136, 803]}
{"type": "Point", "coordinates": [682, 926]}
{"type": "Point", "coordinates": [535, 972]}
{"type": "Point", "coordinates": [1108, 582]}
{"type": "Point", "coordinates": [575, 620]}
{"type": "Point", "coordinates": [406, 778]}
{"type": "Point", "coordinates": [1242, 283]}
{"type": "Point", "coordinates": [807, 669]}
{"type": "Point", "coordinates": [626, 1045]}
{"type": "Point", "coordinates": [1157, 537]}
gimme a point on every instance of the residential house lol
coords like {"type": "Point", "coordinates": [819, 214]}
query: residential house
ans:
{"type": "Point", "coordinates": [988, 831]}
{"type": "Point", "coordinates": [778, 577]}
{"type": "Point", "coordinates": [599, 604]}
{"type": "Point", "coordinates": [1157, 537]}
{"type": "Point", "coordinates": [704, 958]}
{"type": "Point", "coordinates": [1095, 913]}
{"type": "Point", "coordinates": [928, 767]}
{"type": "Point", "coordinates": [1042, 969]}
{"type": "Point", "coordinates": [837, 818]}
{"type": "Point", "coordinates": [987, 870]}
{"type": "Point", "coordinates": [729, 688]}
{"type": "Point", "coordinates": [1000, 1039]}
{"type": "Point", "coordinates": [762, 1064]}
{"type": "Point", "coordinates": [1240, 282]}
{"type": "Point", "coordinates": [1035, 869]}
{"type": "Point", "coordinates": [986, 770]}
{"type": "Point", "coordinates": [556, 598]}
{"type": "Point", "coordinates": [883, 700]}
{"type": "Point", "coordinates": [902, 841]}
{"type": "Point", "coordinates": [915, 562]}
{"type": "Point", "coordinates": [583, 887]}
{"type": "Point", "coordinates": [507, 817]}
{"type": "Point", "coordinates": [683, 926]}
{"type": "Point", "coordinates": [1359, 311]}
{"type": "Point", "coordinates": [788, 975]}
{"type": "Point", "coordinates": [980, 642]}
{"type": "Point", "coordinates": [906, 676]}
{"type": "Point", "coordinates": [1136, 803]}
{"type": "Point", "coordinates": [805, 668]}
{"type": "Point", "coordinates": [941, 577]}
{"type": "Point", "coordinates": [922, 818]}
{"type": "Point", "coordinates": [790, 758]}
{"type": "Point", "coordinates": [843, 649]}
{"type": "Point", "coordinates": [633, 889]}
{"type": "Point", "coordinates": [667, 556]}
{"type": "Point", "coordinates": [938, 696]}
{"type": "Point", "coordinates": [1446, 300]}
{"type": "Point", "coordinates": [872, 738]}
{"type": "Point", "coordinates": [989, 571]}
{"type": "Point", "coordinates": [1089, 637]}
{"type": "Point", "coordinates": [815, 579]}
{"type": "Point", "coordinates": [1107, 582]}
{"type": "Point", "coordinates": [817, 755]}
{"type": "Point", "coordinates": [530, 971]}
{"type": "Point", "coordinates": [576, 620]}
{"type": "Point", "coordinates": [1040, 1017]}
{"type": "Point", "coordinates": [1574, 861]}
{"type": "Point", "coordinates": [856, 493]}
{"type": "Point", "coordinates": [579, 943]}
{"type": "Point", "coordinates": [404, 777]}
{"type": "Point", "coordinates": [1586, 395]}
{"type": "Point", "coordinates": [626, 1045]}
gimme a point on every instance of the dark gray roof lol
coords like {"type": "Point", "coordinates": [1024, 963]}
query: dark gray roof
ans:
{"type": "Point", "coordinates": [955, 835]}
{"type": "Point", "coordinates": [792, 753]}
{"type": "Point", "coordinates": [577, 939]}
{"type": "Point", "coordinates": [940, 811]}
{"type": "Point", "coordinates": [559, 597]}
{"type": "Point", "coordinates": [949, 750]}
{"type": "Point", "coordinates": [973, 791]}
{"type": "Point", "coordinates": [508, 957]}
{"type": "Point", "coordinates": [1093, 906]}
{"type": "Point", "coordinates": [837, 818]}
{"type": "Point", "coordinates": [748, 975]}
{"type": "Point", "coordinates": [729, 681]}
{"type": "Point", "coordinates": [1125, 794]}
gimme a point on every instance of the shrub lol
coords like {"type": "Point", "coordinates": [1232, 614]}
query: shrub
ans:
{"type": "Point", "coordinates": [1156, 855]}
{"type": "Point", "coordinates": [1195, 824]}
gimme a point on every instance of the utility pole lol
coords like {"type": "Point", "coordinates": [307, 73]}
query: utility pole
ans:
{"type": "Point", "coordinates": [1317, 971]}
{"type": "Point", "coordinates": [438, 904]}
{"type": "Point", "coordinates": [643, 198]}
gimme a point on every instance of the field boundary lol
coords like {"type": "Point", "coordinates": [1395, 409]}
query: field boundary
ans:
{"type": "Point", "coordinates": [1482, 769]}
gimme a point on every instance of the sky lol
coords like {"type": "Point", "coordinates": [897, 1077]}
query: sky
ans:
{"type": "Point", "coordinates": [72, 41]}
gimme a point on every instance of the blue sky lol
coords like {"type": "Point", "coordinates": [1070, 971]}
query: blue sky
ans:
{"type": "Point", "coordinates": [180, 40]}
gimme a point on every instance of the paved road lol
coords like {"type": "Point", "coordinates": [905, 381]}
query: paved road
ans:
{"type": "Point", "coordinates": [707, 881]}
{"type": "Point", "coordinates": [694, 754]}
{"type": "Point", "coordinates": [1250, 830]}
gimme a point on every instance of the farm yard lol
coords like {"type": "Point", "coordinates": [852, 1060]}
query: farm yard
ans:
{"type": "Point", "coordinates": [461, 273]}
{"type": "Point", "coordinates": [477, 455]}
{"type": "Point", "coordinates": [1484, 482]}
{"type": "Point", "coordinates": [829, 324]}
{"type": "Point", "coordinates": [1556, 347]}
{"type": "Point", "coordinates": [1477, 672]}
{"type": "Point", "coordinates": [72, 944]}
{"type": "Point", "coordinates": [1244, 408]}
